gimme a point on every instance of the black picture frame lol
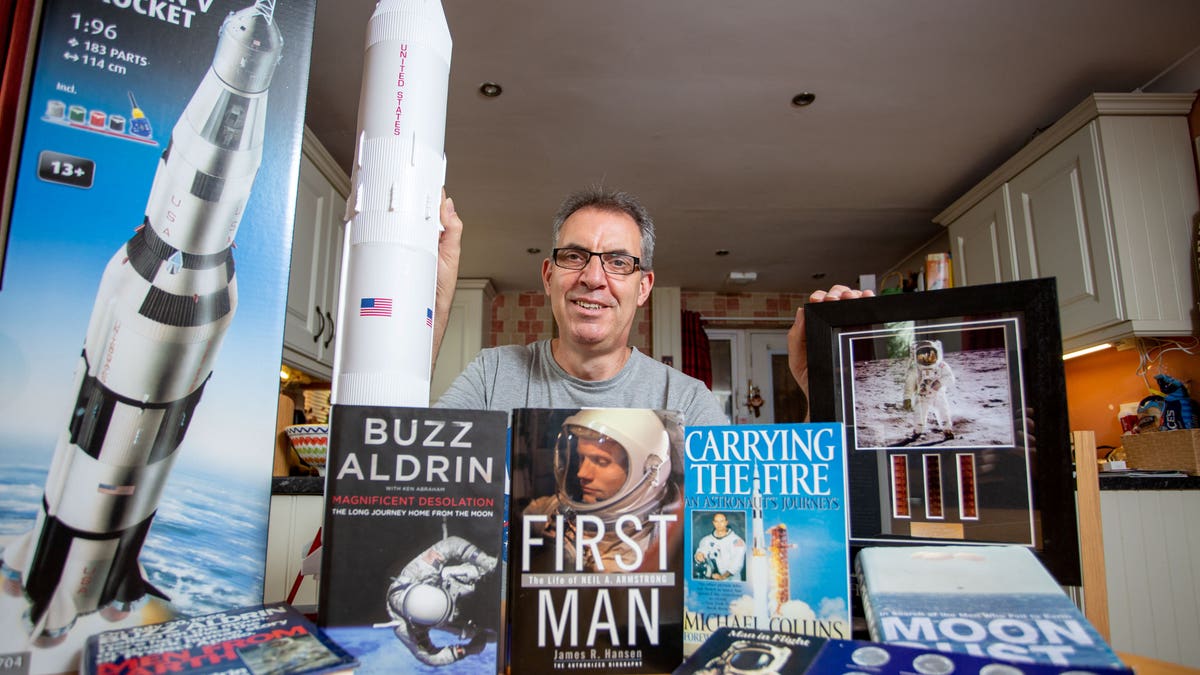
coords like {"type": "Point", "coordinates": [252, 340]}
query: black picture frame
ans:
{"type": "Point", "coordinates": [1000, 470]}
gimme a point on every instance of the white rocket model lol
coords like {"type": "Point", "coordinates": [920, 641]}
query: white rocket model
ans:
{"type": "Point", "coordinates": [165, 301]}
{"type": "Point", "coordinates": [389, 268]}
{"type": "Point", "coordinates": [759, 556]}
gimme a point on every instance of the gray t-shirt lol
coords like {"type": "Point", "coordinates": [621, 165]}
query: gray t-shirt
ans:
{"type": "Point", "coordinates": [504, 378]}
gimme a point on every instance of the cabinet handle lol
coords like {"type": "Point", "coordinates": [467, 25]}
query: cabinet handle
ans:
{"type": "Point", "coordinates": [332, 329]}
{"type": "Point", "coordinates": [321, 328]}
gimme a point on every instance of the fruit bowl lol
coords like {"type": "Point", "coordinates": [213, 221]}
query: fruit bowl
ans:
{"type": "Point", "coordinates": [311, 443]}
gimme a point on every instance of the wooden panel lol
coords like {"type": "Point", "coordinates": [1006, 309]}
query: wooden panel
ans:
{"type": "Point", "coordinates": [1091, 535]}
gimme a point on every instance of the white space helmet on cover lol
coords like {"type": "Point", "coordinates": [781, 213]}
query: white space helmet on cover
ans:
{"type": "Point", "coordinates": [421, 603]}
{"type": "Point", "coordinates": [612, 461]}
{"type": "Point", "coordinates": [927, 352]}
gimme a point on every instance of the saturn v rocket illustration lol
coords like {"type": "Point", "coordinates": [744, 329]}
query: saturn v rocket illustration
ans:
{"type": "Point", "coordinates": [759, 555]}
{"type": "Point", "coordinates": [389, 265]}
{"type": "Point", "coordinates": [165, 301]}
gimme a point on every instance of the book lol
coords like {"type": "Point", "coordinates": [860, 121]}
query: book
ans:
{"type": "Point", "coordinates": [749, 650]}
{"type": "Point", "coordinates": [595, 571]}
{"type": "Point", "coordinates": [414, 508]}
{"type": "Point", "coordinates": [994, 600]}
{"type": "Point", "coordinates": [766, 530]}
{"type": "Point", "coordinates": [272, 639]}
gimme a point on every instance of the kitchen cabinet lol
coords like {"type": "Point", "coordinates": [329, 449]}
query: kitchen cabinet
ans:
{"type": "Point", "coordinates": [1103, 201]}
{"type": "Point", "coordinates": [291, 531]}
{"type": "Point", "coordinates": [981, 242]}
{"type": "Point", "coordinates": [310, 324]}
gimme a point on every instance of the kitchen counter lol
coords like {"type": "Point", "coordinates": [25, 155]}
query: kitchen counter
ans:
{"type": "Point", "coordinates": [1120, 481]}
{"type": "Point", "coordinates": [298, 485]}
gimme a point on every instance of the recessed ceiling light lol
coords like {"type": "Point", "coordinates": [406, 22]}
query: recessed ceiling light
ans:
{"type": "Point", "coordinates": [490, 89]}
{"type": "Point", "coordinates": [803, 98]}
{"type": "Point", "coordinates": [819, 275]}
{"type": "Point", "coordinates": [722, 252]}
{"type": "Point", "coordinates": [533, 250]}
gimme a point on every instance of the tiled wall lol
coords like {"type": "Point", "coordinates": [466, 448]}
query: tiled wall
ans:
{"type": "Point", "coordinates": [521, 317]}
{"type": "Point", "coordinates": [751, 305]}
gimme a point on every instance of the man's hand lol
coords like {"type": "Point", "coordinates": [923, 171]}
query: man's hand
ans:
{"type": "Point", "coordinates": [798, 340]}
{"type": "Point", "coordinates": [449, 251]}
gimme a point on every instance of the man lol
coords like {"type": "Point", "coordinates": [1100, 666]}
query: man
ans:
{"type": "Point", "coordinates": [721, 554]}
{"type": "Point", "coordinates": [599, 272]}
{"type": "Point", "coordinates": [612, 463]}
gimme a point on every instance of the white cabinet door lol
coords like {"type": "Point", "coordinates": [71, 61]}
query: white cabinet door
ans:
{"type": "Point", "coordinates": [981, 243]}
{"type": "Point", "coordinates": [1062, 230]}
{"type": "Point", "coordinates": [309, 329]}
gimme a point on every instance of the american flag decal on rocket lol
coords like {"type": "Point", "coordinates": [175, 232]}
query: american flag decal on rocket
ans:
{"type": "Point", "coordinates": [375, 307]}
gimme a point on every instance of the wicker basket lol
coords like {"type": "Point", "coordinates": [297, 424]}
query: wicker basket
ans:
{"type": "Point", "coordinates": [1164, 450]}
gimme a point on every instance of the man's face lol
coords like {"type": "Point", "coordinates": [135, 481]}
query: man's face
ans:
{"type": "Point", "coordinates": [602, 468]}
{"type": "Point", "coordinates": [592, 308]}
{"type": "Point", "coordinates": [720, 524]}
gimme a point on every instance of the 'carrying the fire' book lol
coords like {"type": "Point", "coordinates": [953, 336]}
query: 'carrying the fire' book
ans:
{"type": "Point", "coordinates": [595, 550]}
{"type": "Point", "coordinates": [766, 534]}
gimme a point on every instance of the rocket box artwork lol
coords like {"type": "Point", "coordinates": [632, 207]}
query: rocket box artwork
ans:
{"type": "Point", "coordinates": [414, 522]}
{"type": "Point", "coordinates": [767, 530]}
{"type": "Point", "coordinates": [595, 556]}
{"type": "Point", "coordinates": [148, 141]}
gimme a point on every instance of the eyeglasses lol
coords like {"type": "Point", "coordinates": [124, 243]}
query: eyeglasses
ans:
{"type": "Point", "coordinates": [578, 258]}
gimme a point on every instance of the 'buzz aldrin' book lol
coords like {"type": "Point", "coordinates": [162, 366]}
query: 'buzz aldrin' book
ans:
{"type": "Point", "coordinates": [414, 525]}
{"type": "Point", "coordinates": [766, 530]}
{"type": "Point", "coordinates": [595, 550]}
{"type": "Point", "coordinates": [996, 601]}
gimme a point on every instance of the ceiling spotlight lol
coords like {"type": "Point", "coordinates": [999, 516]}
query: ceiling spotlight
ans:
{"type": "Point", "coordinates": [742, 277]}
{"type": "Point", "coordinates": [803, 98]}
{"type": "Point", "coordinates": [490, 89]}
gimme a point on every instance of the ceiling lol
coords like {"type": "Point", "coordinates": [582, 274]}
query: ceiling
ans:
{"type": "Point", "coordinates": [687, 104]}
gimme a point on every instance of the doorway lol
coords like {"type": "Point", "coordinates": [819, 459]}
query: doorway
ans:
{"type": "Point", "coordinates": [751, 377]}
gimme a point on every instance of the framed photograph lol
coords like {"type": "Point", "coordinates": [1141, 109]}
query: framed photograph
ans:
{"type": "Point", "coordinates": [955, 409]}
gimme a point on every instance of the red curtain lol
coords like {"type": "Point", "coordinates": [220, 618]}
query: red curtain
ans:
{"type": "Point", "coordinates": [696, 359]}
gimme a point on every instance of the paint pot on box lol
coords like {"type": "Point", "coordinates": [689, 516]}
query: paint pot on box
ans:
{"type": "Point", "coordinates": [937, 271]}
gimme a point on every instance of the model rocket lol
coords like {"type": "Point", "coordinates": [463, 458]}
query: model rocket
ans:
{"type": "Point", "coordinates": [165, 301]}
{"type": "Point", "coordinates": [389, 265]}
{"type": "Point", "coordinates": [759, 555]}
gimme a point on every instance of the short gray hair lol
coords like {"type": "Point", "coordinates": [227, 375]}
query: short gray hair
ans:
{"type": "Point", "coordinates": [614, 201]}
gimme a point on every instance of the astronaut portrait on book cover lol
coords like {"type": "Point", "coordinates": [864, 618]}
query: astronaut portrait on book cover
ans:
{"type": "Point", "coordinates": [613, 469]}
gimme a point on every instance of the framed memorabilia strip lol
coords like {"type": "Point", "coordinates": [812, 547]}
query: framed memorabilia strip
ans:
{"type": "Point", "coordinates": [955, 409]}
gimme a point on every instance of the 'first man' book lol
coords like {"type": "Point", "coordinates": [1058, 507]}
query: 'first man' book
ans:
{"type": "Point", "coordinates": [414, 519]}
{"type": "Point", "coordinates": [595, 549]}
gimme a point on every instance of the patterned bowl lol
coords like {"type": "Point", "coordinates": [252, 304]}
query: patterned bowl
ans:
{"type": "Point", "coordinates": [311, 443]}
